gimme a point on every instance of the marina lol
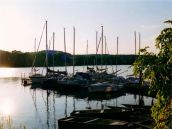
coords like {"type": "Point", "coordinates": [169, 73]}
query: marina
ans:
{"type": "Point", "coordinates": [85, 64]}
{"type": "Point", "coordinates": [42, 108]}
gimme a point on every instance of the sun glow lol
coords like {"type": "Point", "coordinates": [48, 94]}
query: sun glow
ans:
{"type": "Point", "coordinates": [6, 72]}
{"type": "Point", "coordinates": [6, 107]}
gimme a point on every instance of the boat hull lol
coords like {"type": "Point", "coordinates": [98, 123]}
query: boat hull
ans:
{"type": "Point", "coordinates": [37, 79]}
{"type": "Point", "coordinates": [90, 123]}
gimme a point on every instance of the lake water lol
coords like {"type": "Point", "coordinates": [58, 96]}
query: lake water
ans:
{"type": "Point", "coordinates": [41, 109]}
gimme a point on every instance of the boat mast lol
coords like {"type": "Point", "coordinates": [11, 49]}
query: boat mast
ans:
{"type": "Point", "coordinates": [96, 46]}
{"type": "Point", "coordinates": [140, 71]}
{"type": "Point", "coordinates": [53, 49]}
{"type": "Point", "coordinates": [139, 42]}
{"type": "Point", "coordinates": [65, 48]}
{"type": "Point", "coordinates": [102, 49]}
{"type": "Point", "coordinates": [73, 50]}
{"type": "Point", "coordinates": [35, 46]}
{"type": "Point", "coordinates": [87, 53]}
{"type": "Point", "coordinates": [116, 54]}
{"type": "Point", "coordinates": [135, 40]}
{"type": "Point", "coordinates": [33, 68]}
{"type": "Point", "coordinates": [105, 52]}
{"type": "Point", "coordinates": [46, 51]}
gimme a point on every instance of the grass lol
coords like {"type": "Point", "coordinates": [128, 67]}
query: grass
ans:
{"type": "Point", "coordinates": [7, 123]}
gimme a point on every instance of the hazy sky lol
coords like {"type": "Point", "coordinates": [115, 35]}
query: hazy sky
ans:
{"type": "Point", "coordinates": [21, 21]}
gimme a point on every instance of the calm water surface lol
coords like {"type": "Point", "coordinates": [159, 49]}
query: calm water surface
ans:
{"type": "Point", "coordinates": [41, 109]}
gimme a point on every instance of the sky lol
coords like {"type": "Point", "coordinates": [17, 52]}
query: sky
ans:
{"type": "Point", "coordinates": [21, 21]}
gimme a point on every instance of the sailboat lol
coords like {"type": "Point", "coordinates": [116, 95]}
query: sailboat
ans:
{"type": "Point", "coordinates": [37, 78]}
{"type": "Point", "coordinates": [53, 76]}
{"type": "Point", "coordinates": [78, 80]}
{"type": "Point", "coordinates": [108, 82]}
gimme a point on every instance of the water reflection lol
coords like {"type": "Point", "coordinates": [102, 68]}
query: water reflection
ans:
{"type": "Point", "coordinates": [49, 106]}
{"type": "Point", "coordinates": [67, 102]}
{"type": "Point", "coordinates": [7, 72]}
{"type": "Point", "coordinates": [39, 108]}
{"type": "Point", "coordinates": [7, 107]}
{"type": "Point", "coordinates": [48, 112]}
{"type": "Point", "coordinates": [65, 112]}
{"type": "Point", "coordinates": [54, 110]}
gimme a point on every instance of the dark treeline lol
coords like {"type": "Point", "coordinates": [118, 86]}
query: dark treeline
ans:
{"type": "Point", "coordinates": [26, 59]}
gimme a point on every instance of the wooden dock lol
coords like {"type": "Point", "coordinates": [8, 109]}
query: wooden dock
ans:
{"type": "Point", "coordinates": [26, 81]}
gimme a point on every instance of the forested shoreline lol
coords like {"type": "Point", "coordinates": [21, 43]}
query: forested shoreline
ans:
{"type": "Point", "coordinates": [26, 59]}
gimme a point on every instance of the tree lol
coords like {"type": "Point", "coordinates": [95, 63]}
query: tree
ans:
{"type": "Point", "coordinates": [157, 68]}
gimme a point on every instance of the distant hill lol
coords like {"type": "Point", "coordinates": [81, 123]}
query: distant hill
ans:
{"type": "Point", "coordinates": [26, 59]}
